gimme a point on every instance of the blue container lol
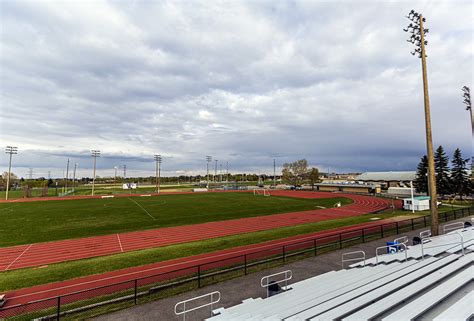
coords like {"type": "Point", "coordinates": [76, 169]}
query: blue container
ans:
{"type": "Point", "coordinates": [393, 247]}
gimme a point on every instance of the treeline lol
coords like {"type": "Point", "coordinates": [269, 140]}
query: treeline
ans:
{"type": "Point", "coordinates": [450, 180]}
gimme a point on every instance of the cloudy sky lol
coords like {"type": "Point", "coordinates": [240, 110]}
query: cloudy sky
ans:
{"type": "Point", "coordinates": [243, 81]}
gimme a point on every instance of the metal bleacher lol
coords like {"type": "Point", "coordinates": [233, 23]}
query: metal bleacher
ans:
{"type": "Point", "coordinates": [408, 284]}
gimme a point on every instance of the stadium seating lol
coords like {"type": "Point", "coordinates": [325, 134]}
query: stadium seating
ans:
{"type": "Point", "coordinates": [393, 289]}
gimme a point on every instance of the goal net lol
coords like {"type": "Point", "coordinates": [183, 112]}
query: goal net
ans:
{"type": "Point", "coordinates": [263, 192]}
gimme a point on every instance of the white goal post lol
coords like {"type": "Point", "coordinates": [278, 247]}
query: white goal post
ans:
{"type": "Point", "coordinates": [264, 192]}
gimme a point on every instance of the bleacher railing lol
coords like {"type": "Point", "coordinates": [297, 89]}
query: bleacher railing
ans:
{"type": "Point", "coordinates": [88, 303]}
{"type": "Point", "coordinates": [265, 282]}
{"type": "Point", "coordinates": [181, 309]}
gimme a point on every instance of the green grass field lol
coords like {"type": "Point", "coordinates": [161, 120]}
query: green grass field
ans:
{"type": "Point", "coordinates": [31, 222]}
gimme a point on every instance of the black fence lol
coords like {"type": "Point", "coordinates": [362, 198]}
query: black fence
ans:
{"type": "Point", "coordinates": [111, 297]}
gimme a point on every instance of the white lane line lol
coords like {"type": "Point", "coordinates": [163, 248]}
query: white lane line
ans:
{"type": "Point", "coordinates": [18, 257]}
{"type": "Point", "coordinates": [142, 208]}
{"type": "Point", "coordinates": [120, 243]}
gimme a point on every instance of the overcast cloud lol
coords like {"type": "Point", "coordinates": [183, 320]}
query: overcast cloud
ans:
{"type": "Point", "coordinates": [243, 81]}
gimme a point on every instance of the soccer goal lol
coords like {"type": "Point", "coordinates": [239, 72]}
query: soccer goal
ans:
{"type": "Point", "coordinates": [263, 192]}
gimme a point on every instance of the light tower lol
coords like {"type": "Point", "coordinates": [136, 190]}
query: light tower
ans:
{"type": "Point", "coordinates": [94, 154]}
{"type": "Point", "coordinates": [418, 39]}
{"type": "Point", "coordinates": [158, 160]}
{"type": "Point", "coordinates": [208, 160]}
{"type": "Point", "coordinates": [10, 150]}
{"type": "Point", "coordinates": [467, 101]}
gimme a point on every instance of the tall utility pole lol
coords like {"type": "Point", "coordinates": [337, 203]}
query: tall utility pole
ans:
{"type": "Point", "coordinates": [124, 172]}
{"type": "Point", "coordinates": [10, 150]}
{"type": "Point", "coordinates": [74, 176]}
{"type": "Point", "coordinates": [220, 171]}
{"type": "Point", "coordinates": [115, 174]}
{"type": "Point", "coordinates": [67, 175]}
{"type": "Point", "coordinates": [158, 172]}
{"type": "Point", "coordinates": [227, 172]}
{"type": "Point", "coordinates": [215, 171]}
{"type": "Point", "coordinates": [467, 100]}
{"type": "Point", "coordinates": [94, 154]}
{"type": "Point", "coordinates": [208, 160]}
{"type": "Point", "coordinates": [418, 39]}
{"type": "Point", "coordinates": [274, 174]}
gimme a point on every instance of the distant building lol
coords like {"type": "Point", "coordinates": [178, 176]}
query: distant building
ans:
{"type": "Point", "coordinates": [349, 187]}
{"type": "Point", "coordinates": [387, 179]}
{"type": "Point", "coordinates": [420, 203]}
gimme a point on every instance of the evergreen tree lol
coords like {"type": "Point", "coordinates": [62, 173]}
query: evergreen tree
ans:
{"type": "Point", "coordinates": [421, 181]}
{"type": "Point", "coordinates": [443, 184]}
{"type": "Point", "coordinates": [459, 178]}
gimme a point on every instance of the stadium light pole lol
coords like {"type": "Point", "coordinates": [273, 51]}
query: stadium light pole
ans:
{"type": "Point", "coordinates": [215, 171]}
{"type": "Point", "coordinates": [208, 160]}
{"type": "Point", "coordinates": [418, 39]}
{"type": "Point", "coordinates": [274, 173]}
{"type": "Point", "coordinates": [74, 177]}
{"type": "Point", "coordinates": [67, 175]}
{"type": "Point", "coordinates": [94, 154]}
{"type": "Point", "coordinates": [467, 101]}
{"type": "Point", "coordinates": [10, 150]}
{"type": "Point", "coordinates": [158, 160]}
{"type": "Point", "coordinates": [115, 174]}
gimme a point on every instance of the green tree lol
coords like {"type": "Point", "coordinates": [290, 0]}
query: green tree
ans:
{"type": "Point", "coordinates": [421, 181]}
{"type": "Point", "coordinates": [443, 182]}
{"type": "Point", "coordinates": [459, 178]}
{"type": "Point", "coordinates": [313, 176]}
{"type": "Point", "coordinates": [294, 173]}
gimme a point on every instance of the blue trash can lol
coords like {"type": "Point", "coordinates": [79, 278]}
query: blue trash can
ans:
{"type": "Point", "coordinates": [393, 247]}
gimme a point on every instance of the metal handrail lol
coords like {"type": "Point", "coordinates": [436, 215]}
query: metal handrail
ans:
{"type": "Point", "coordinates": [425, 234]}
{"type": "Point", "coordinates": [184, 311]}
{"type": "Point", "coordinates": [288, 276]}
{"type": "Point", "coordinates": [390, 246]}
{"type": "Point", "coordinates": [432, 247]}
{"type": "Point", "coordinates": [453, 226]}
{"type": "Point", "coordinates": [352, 259]}
{"type": "Point", "coordinates": [403, 239]}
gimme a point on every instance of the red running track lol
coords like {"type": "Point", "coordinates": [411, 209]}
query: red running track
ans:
{"type": "Point", "coordinates": [156, 272]}
{"type": "Point", "coordinates": [40, 254]}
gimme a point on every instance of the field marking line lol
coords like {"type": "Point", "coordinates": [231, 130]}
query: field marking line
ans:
{"type": "Point", "coordinates": [142, 208]}
{"type": "Point", "coordinates": [120, 243]}
{"type": "Point", "coordinates": [18, 257]}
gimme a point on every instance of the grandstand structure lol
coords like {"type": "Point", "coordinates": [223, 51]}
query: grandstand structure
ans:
{"type": "Point", "coordinates": [431, 279]}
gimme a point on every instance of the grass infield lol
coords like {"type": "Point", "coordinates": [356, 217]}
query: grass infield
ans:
{"type": "Point", "coordinates": [32, 222]}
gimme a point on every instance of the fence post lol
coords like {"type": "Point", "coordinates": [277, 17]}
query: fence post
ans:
{"type": "Point", "coordinates": [59, 308]}
{"type": "Point", "coordinates": [363, 236]}
{"type": "Point", "coordinates": [136, 288]}
{"type": "Point", "coordinates": [424, 220]}
{"type": "Point", "coordinates": [412, 224]}
{"type": "Point", "coordinates": [245, 263]}
{"type": "Point", "coordinates": [396, 224]}
{"type": "Point", "coordinates": [199, 275]}
{"type": "Point", "coordinates": [284, 259]}
{"type": "Point", "coordinates": [445, 216]}
{"type": "Point", "coordinates": [315, 247]}
{"type": "Point", "coordinates": [340, 240]}
{"type": "Point", "coordinates": [381, 230]}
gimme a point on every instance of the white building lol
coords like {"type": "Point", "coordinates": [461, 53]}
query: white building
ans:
{"type": "Point", "coordinates": [420, 203]}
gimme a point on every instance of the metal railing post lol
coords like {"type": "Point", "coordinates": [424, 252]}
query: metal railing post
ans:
{"type": "Point", "coordinates": [340, 240]}
{"type": "Point", "coordinates": [315, 247]}
{"type": "Point", "coordinates": [59, 308]}
{"type": "Point", "coordinates": [245, 263]}
{"type": "Point", "coordinates": [363, 236]}
{"type": "Point", "coordinates": [136, 288]}
{"type": "Point", "coordinates": [199, 276]}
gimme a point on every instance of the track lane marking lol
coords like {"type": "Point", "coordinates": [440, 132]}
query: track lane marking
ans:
{"type": "Point", "coordinates": [120, 243]}
{"type": "Point", "coordinates": [142, 208]}
{"type": "Point", "coordinates": [18, 257]}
